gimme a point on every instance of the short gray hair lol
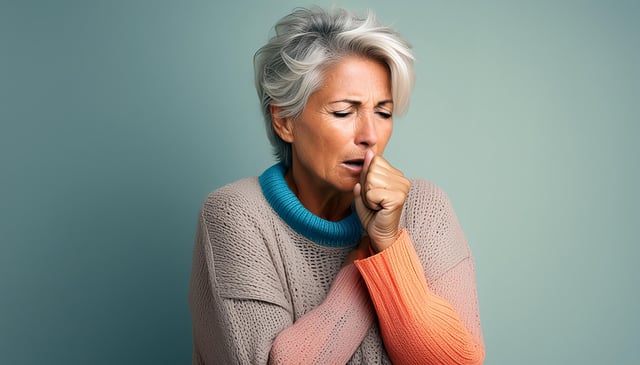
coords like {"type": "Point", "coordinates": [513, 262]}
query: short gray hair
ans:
{"type": "Point", "coordinates": [288, 69]}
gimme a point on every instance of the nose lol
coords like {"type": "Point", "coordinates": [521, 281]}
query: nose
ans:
{"type": "Point", "coordinates": [366, 132]}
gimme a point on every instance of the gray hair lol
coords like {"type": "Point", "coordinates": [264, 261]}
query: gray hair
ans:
{"type": "Point", "coordinates": [288, 69]}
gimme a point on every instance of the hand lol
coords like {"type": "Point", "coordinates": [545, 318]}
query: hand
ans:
{"type": "Point", "coordinates": [379, 198]}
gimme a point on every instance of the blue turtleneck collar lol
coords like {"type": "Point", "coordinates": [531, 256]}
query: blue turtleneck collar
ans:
{"type": "Point", "coordinates": [343, 233]}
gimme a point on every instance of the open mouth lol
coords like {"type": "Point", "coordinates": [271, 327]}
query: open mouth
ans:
{"type": "Point", "coordinates": [356, 162]}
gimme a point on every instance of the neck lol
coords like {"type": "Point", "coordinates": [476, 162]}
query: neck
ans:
{"type": "Point", "coordinates": [326, 203]}
{"type": "Point", "coordinates": [278, 194]}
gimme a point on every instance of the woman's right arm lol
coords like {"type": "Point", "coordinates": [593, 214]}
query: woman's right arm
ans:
{"type": "Point", "coordinates": [331, 332]}
{"type": "Point", "coordinates": [239, 317]}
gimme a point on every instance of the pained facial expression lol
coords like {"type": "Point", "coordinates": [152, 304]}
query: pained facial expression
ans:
{"type": "Point", "coordinates": [349, 114]}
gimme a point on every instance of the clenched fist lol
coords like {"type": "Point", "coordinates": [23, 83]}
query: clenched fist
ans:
{"type": "Point", "coordinates": [379, 198]}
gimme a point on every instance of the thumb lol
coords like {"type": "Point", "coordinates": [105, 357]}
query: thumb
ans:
{"type": "Point", "coordinates": [364, 213]}
{"type": "Point", "coordinates": [356, 190]}
{"type": "Point", "coordinates": [368, 156]}
{"type": "Point", "coordinates": [357, 199]}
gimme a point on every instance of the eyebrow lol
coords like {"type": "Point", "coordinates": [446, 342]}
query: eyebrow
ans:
{"type": "Point", "coordinates": [357, 102]}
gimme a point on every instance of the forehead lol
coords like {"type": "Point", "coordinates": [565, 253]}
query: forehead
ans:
{"type": "Point", "coordinates": [357, 76]}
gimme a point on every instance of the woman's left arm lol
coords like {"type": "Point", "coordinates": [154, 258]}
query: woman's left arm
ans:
{"type": "Point", "coordinates": [416, 324]}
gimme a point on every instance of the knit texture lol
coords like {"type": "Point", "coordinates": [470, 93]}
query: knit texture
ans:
{"type": "Point", "coordinates": [261, 289]}
{"type": "Point", "coordinates": [330, 333]}
{"type": "Point", "coordinates": [343, 233]}
{"type": "Point", "coordinates": [417, 326]}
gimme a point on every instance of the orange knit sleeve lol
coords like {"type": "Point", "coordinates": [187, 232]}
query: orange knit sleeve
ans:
{"type": "Point", "coordinates": [417, 326]}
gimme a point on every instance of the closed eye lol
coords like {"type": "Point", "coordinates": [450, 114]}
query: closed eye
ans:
{"type": "Point", "coordinates": [341, 114]}
{"type": "Point", "coordinates": [385, 115]}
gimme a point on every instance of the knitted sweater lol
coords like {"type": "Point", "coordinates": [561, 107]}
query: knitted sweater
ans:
{"type": "Point", "coordinates": [268, 283]}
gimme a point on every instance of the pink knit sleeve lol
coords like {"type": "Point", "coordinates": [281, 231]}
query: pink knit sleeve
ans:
{"type": "Point", "coordinates": [331, 332]}
{"type": "Point", "coordinates": [417, 325]}
{"type": "Point", "coordinates": [255, 331]}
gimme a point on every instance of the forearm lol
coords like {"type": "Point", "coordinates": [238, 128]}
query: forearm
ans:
{"type": "Point", "coordinates": [330, 333]}
{"type": "Point", "coordinates": [417, 326]}
{"type": "Point", "coordinates": [257, 332]}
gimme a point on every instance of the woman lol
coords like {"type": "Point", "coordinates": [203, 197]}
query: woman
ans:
{"type": "Point", "coordinates": [332, 256]}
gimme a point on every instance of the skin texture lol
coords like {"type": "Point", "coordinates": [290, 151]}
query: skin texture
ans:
{"type": "Point", "coordinates": [337, 145]}
{"type": "Point", "coordinates": [379, 198]}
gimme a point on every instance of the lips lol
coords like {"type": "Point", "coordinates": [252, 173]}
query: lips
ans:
{"type": "Point", "coordinates": [358, 162]}
{"type": "Point", "coordinates": [354, 165]}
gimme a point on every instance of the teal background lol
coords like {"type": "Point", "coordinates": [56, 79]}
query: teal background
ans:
{"type": "Point", "coordinates": [119, 117]}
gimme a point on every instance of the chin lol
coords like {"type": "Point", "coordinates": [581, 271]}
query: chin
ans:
{"type": "Point", "coordinates": [346, 186]}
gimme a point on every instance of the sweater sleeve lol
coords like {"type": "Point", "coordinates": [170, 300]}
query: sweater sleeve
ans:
{"type": "Point", "coordinates": [417, 325]}
{"type": "Point", "coordinates": [240, 317]}
{"type": "Point", "coordinates": [330, 333]}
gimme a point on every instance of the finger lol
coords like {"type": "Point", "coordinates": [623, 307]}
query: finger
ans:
{"type": "Point", "coordinates": [368, 157]}
{"type": "Point", "coordinates": [381, 178]}
{"type": "Point", "coordinates": [360, 198]}
{"type": "Point", "coordinates": [364, 213]}
{"type": "Point", "coordinates": [356, 191]}
{"type": "Point", "coordinates": [374, 164]}
{"type": "Point", "coordinates": [383, 199]}
{"type": "Point", "coordinates": [388, 182]}
{"type": "Point", "coordinates": [379, 164]}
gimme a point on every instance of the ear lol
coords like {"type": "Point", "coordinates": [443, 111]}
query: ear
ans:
{"type": "Point", "coordinates": [282, 126]}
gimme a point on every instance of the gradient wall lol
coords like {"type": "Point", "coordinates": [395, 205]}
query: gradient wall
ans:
{"type": "Point", "coordinates": [117, 118]}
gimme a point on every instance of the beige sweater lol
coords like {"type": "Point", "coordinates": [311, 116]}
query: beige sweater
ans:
{"type": "Point", "coordinates": [254, 277]}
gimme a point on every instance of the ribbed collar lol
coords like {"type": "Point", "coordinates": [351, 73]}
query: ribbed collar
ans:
{"type": "Point", "coordinates": [333, 234]}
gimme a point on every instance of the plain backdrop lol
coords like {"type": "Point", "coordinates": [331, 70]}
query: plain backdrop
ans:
{"type": "Point", "coordinates": [119, 117]}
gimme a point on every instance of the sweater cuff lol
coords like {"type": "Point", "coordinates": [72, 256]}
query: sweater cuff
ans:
{"type": "Point", "coordinates": [396, 282]}
{"type": "Point", "coordinates": [415, 324]}
{"type": "Point", "coordinates": [399, 260]}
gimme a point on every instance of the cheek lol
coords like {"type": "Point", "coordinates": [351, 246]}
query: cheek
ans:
{"type": "Point", "coordinates": [330, 138]}
{"type": "Point", "coordinates": [305, 136]}
{"type": "Point", "coordinates": [312, 144]}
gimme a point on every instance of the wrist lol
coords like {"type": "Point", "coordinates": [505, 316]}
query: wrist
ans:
{"type": "Point", "coordinates": [380, 244]}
